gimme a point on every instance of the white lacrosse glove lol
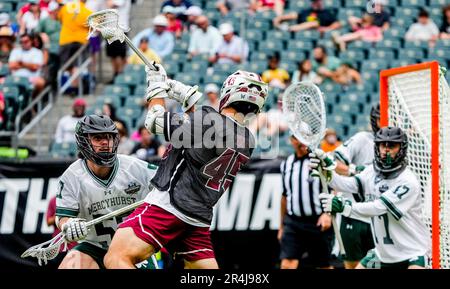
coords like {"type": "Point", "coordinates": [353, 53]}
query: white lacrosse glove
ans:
{"type": "Point", "coordinates": [319, 158]}
{"type": "Point", "coordinates": [154, 121]}
{"type": "Point", "coordinates": [333, 204]}
{"type": "Point", "coordinates": [75, 229]}
{"type": "Point", "coordinates": [157, 86]}
{"type": "Point", "coordinates": [187, 95]}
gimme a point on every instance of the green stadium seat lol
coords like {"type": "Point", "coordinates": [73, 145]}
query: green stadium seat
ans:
{"type": "Point", "coordinates": [196, 67]}
{"type": "Point", "coordinates": [263, 25]}
{"type": "Point", "coordinates": [278, 35]}
{"type": "Point", "coordinates": [172, 67]}
{"type": "Point", "coordinates": [265, 15]}
{"type": "Point", "coordinates": [213, 16]}
{"type": "Point", "coordinates": [11, 95]}
{"type": "Point", "coordinates": [407, 12]}
{"type": "Point", "coordinates": [299, 5]}
{"type": "Point", "coordinates": [135, 68]}
{"type": "Point", "coordinates": [416, 53]}
{"type": "Point", "coordinates": [253, 34]}
{"type": "Point", "coordinates": [332, 4]}
{"type": "Point", "coordinates": [440, 53]}
{"type": "Point", "coordinates": [403, 62]}
{"type": "Point", "coordinates": [293, 55]}
{"type": "Point", "coordinates": [115, 100]}
{"type": "Point", "coordinates": [389, 43]}
{"type": "Point", "coordinates": [140, 90]}
{"type": "Point", "coordinates": [397, 32]}
{"type": "Point", "coordinates": [385, 54]}
{"type": "Point", "coordinates": [345, 13]}
{"type": "Point", "coordinates": [289, 66]}
{"type": "Point", "coordinates": [353, 54]}
{"type": "Point", "coordinates": [218, 79]}
{"type": "Point", "coordinates": [6, 7]}
{"type": "Point", "coordinates": [270, 46]}
{"type": "Point", "coordinates": [258, 56]}
{"type": "Point", "coordinates": [362, 89]}
{"type": "Point", "coordinates": [66, 149]}
{"type": "Point", "coordinates": [360, 45]}
{"type": "Point", "coordinates": [178, 56]}
{"type": "Point", "coordinates": [119, 90]}
{"type": "Point", "coordinates": [331, 87]}
{"type": "Point", "coordinates": [416, 44]}
{"type": "Point", "coordinates": [225, 68]}
{"type": "Point", "coordinates": [340, 117]}
{"type": "Point", "coordinates": [413, 3]}
{"type": "Point", "coordinates": [329, 45]}
{"type": "Point", "coordinates": [130, 79]}
{"type": "Point", "coordinates": [360, 4]}
{"type": "Point", "coordinates": [402, 21]}
{"type": "Point", "coordinates": [253, 45]}
{"type": "Point", "coordinates": [307, 34]}
{"type": "Point", "coordinates": [130, 112]}
{"type": "Point", "coordinates": [374, 65]}
{"type": "Point", "coordinates": [256, 66]}
{"type": "Point", "coordinates": [369, 75]}
{"type": "Point", "coordinates": [4, 70]}
{"type": "Point", "coordinates": [134, 102]}
{"type": "Point", "coordinates": [188, 79]}
{"type": "Point", "coordinates": [306, 45]}
{"type": "Point", "coordinates": [210, 5]}
{"type": "Point", "coordinates": [438, 3]}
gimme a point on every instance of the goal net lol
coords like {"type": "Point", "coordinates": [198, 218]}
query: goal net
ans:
{"type": "Point", "coordinates": [416, 98]}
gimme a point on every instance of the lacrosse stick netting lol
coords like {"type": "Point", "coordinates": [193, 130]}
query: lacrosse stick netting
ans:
{"type": "Point", "coordinates": [107, 23]}
{"type": "Point", "coordinates": [49, 250]}
{"type": "Point", "coordinates": [304, 108]}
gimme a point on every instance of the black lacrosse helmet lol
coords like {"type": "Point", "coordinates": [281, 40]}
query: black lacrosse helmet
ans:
{"type": "Point", "coordinates": [389, 165]}
{"type": "Point", "coordinates": [96, 124]}
{"type": "Point", "coordinates": [374, 117]}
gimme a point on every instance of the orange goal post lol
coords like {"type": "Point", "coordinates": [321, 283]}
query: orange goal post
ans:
{"type": "Point", "coordinates": [416, 98]}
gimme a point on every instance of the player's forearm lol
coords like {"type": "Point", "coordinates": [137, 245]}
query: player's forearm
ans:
{"type": "Point", "coordinates": [368, 209]}
{"type": "Point", "coordinates": [61, 221]}
{"type": "Point", "coordinates": [156, 101]}
{"type": "Point", "coordinates": [342, 169]}
{"type": "Point", "coordinates": [343, 184]}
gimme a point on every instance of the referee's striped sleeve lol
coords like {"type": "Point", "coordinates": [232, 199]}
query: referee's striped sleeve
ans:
{"type": "Point", "coordinates": [283, 170]}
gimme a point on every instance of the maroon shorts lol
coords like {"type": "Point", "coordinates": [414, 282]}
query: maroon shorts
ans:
{"type": "Point", "coordinates": [160, 228]}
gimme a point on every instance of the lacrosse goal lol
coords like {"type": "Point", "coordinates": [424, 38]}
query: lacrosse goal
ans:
{"type": "Point", "coordinates": [416, 98]}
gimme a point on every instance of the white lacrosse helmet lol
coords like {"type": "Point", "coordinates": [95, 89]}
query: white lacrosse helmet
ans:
{"type": "Point", "coordinates": [243, 86]}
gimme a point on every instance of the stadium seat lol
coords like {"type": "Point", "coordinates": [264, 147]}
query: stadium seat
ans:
{"type": "Point", "coordinates": [305, 45]}
{"type": "Point", "coordinates": [253, 34]}
{"type": "Point", "coordinates": [140, 90]}
{"type": "Point", "coordinates": [403, 62]}
{"type": "Point", "coordinates": [440, 53]}
{"type": "Point", "coordinates": [262, 25]}
{"type": "Point", "coordinates": [189, 79]}
{"type": "Point", "coordinates": [4, 70]}
{"type": "Point", "coordinates": [258, 56]}
{"type": "Point", "coordinates": [299, 5]}
{"type": "Point", "coordinates": [360, 4]}
{"type": "Point", "coordinates": [345, 13]}
{"type": "Point", "coordinates": [134, 102]}
{"type": "Point", "coordinates": [384, 54]}
{"type": "Point", "coordinates": [340, 117]}
{"type": "Point", "coordinates": [293, 56]}
{"type": "Point", "coordinates": [130, 79]}
{"type": "Point", "coordinates": [218, 79]}
{"type": "Point", "coordinates": [11, 94]}
{"type": "Point", "coordinates": [438, 3]}
{"type": "Point", "coordinates": [360, 45]}
{"type": "Point", "coordinates": [131, 112]}
{"type": "Point", "coordinates": [413, 3]}
{"type": "Point", "coordinates": [258, 66]}
{"type": "Point", "coordinates": [115, 100]}
{"type": "Point", "coordinates": [353, 54]}
{"type": "Point", "coordinates": [66, 149]}
{"type": "Point", "coordinates": [397, 32]}
{"type": "Point", "coordinates": [307, 34]}
{"type": "Point", "coordinates": [389, 43]}
{"type": "Point", "coordinates": [331, 87]}
{"type": "Point", "coordinates": [119, 90]}
{"type": "Point", "coordinates": [335, 4]}
{"type": "Point", "coordinates": [278, 35]}
{"type": "Point", "coordinates": [416, 44]}
{"type": "Point", "coordinates": [6, 7]}
{"type": "Point", "coordinates": [172, 67]}
{"type": "Point", "coordinates": [265, 15]}
{"type": "Point", "coordinates": [196, 67]}
{"type": "Point", "coordinates": [179, 57]}
{"type": "Point", "coordinates": [403, 21]}
{"type": "Point", "coordinates": [270, 46]}
{"type": "Point", "coordinates": [416, 53]}
{"type": "Point", "coordinates": [289, 66]}
{"type": "Point", "coordinates": [225, 68]}
{"type": "Point", "coordinates": [373, 65]}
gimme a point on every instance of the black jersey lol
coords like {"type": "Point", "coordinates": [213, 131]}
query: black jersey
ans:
{"type": "Point", "coordinates": [206, 151]}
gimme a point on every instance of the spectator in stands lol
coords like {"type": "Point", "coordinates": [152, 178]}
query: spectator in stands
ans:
{"type": "Point", "coordinates": [212, 95]}
{"type": "Point", "coordinates": [43, 5]}
{"type": "Point", "coordinates": [5, 24]}
{"type": "Point", "coordinates": [95, 40]}
{"type": "Point", "coordinates": [330, 141]}
{"type": "Point", "coordinates": [148, 147]}
{"type": "Point", "coordinates": [233, 49]}
{"type": "Point", "coordinates": [264, 5]}
{"type": "Point", "coordinates": [445, 27]}
{"type": "Point", "coordinates": [323, 64]}
{"type": "Point", "coordinates": [161, 41]}
{"type": "Point", "coordinates": [126, 145]}
{"type": "Point", "coordinates": [2, 109]}
{"type": "Point", "coordinates": [367, 32]}
{"type": "Point", "coordinates": [143, 47]}
{"type": "Point", "coordinates": [316, 17]}
{"type": "Point", "coordinates": [347, 75]}
{"type": "Point", "coordinates": [39, 44]}
{"type": "Point", "coordinates": [7, 39]}
{"type": "Point", "coordinates": [74, 31]}
{"type": "Point", "coordinates": [423, 30]}
{"type": "Point", "coordinates": [275, 76]}
{"type": "Point", "coordinates": [27, 61]}
{"type": "Point", "coordinates": [31, 18]}
{"type": "Point", "coordinates": [180, 7]}
{"type": "Point", "coordinates": [205, 39]}
{"type": "Point", "coordinates": [192, 13]}
{"type": "Point", "coordinates": [117, 50]}
{"type": "Point", "coordinates": [49, 29]}
{"type": "Point", "coordinates": [305, 72]}
{"type": "Point", "coordinates": [174, 25]}
{"type": "Point", "coordinates": [110, 110]}
{"type": "Point", "coordinates": [65, 130]}
{"type": "Point", "coordinates": [225, 6]}
{"type": "Point", "coordinates": [380, 16]}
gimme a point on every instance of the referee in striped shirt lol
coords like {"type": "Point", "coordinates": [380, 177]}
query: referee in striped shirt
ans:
{"type": "Point", "coordinates": [304, 228]}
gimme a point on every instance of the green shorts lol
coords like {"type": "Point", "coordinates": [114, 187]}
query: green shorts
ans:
{"type": "Point", "coordinates": [95, 252]}
{"type": "Point", "coordinates": [371, 261]}
{"type": "Point", "coordinates": [357, 238]}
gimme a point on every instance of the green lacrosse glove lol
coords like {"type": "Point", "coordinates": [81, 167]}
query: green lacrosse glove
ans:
{"type": "Point", "coordinates": [333, 204]}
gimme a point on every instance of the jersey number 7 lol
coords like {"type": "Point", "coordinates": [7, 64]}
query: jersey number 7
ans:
{"type": "Point", "coordinates": [222, 170]}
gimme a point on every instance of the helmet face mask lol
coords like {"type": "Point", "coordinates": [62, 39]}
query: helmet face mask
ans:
{"type": "Point", "coordinates": [90, 127]}
{"type": "Point", "coordinates": [243, 88]}
{"type": "Point", "coordinates": [394, 138]}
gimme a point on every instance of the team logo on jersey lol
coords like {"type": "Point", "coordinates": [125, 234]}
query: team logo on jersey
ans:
{"type": "Point", "coordinates": [378, 179]}
{"type": "Point", "coordinates": [383, 188]}
{"type": "Point", "coordinates": [133, 188]}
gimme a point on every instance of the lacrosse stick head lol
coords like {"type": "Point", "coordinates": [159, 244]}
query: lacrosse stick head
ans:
{"type": "Point", "coordinates": [107, 23]}
{"type": "Point", "coordinates": [304, 108]}
{"type": "Point", "coordinates": [45, 253]}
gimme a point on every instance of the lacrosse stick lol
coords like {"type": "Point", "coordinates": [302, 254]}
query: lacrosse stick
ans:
{"type": "Point", "coordinates": [107, 23]}
{"type": "Point", "coordinates": [304, 108]}
{"type": "Point", "coordinates": [50, 249]}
